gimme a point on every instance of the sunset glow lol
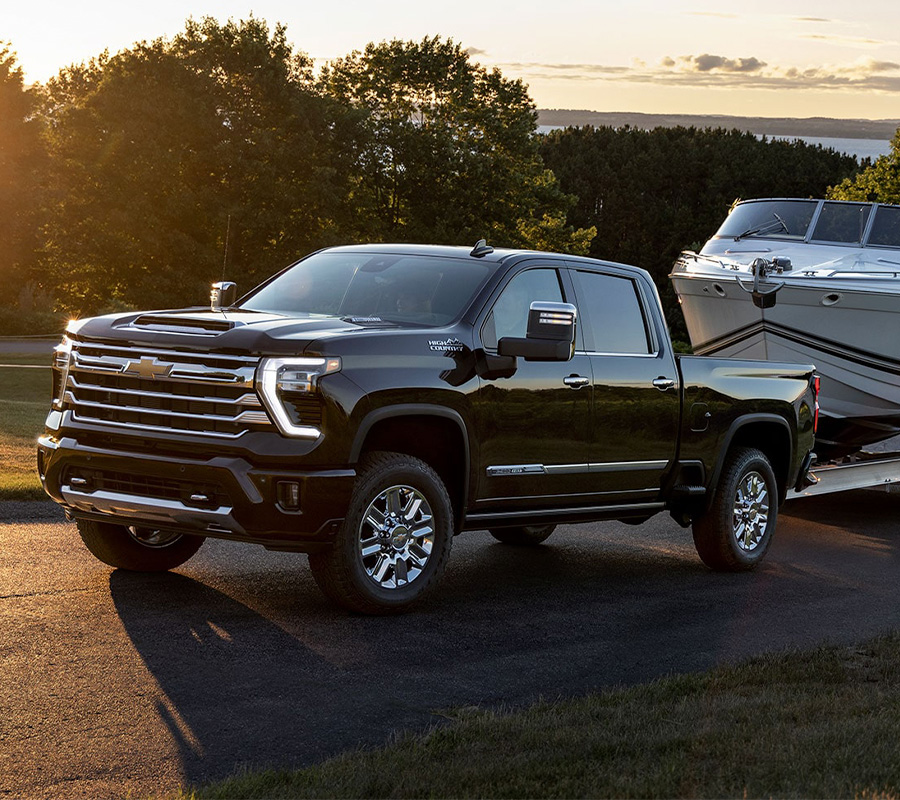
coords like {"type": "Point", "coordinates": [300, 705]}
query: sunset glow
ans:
{"type": "Point", "coordinates": [771, 59]}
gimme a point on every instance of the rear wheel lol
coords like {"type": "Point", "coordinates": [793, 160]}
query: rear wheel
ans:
{"type": "Point", "coordinates": [137, 548]}
{"type": "Point", "coordinates": [736, 531]}
{"type": "Point", "coordinates": [524, 535]}
{"type": "Point", "coordinates": [395, 540]}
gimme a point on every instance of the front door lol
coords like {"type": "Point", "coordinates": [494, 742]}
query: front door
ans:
{"type": "Point", "coordinates": [534, 427]}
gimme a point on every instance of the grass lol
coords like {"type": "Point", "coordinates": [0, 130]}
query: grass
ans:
{"type": "Point", "coordinates": [817, 724]}
{"type": "Point", "coordinates": [24, 402]}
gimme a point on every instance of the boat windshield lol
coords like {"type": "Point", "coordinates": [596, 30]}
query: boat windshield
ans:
{"type": "Point", "coordinates": [841, 223]}
{"type": "Point", "coordinates": [886, 227]}
{"type": "Point", "coordinates": [375, 287]}
{"type": "Point", "coordinates": [782, 219]}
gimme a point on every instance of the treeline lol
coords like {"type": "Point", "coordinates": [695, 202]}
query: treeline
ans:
{"type": "Point", "coordinates": [651, 194]}
{"type": "Point", "coordinates": [136, 179]}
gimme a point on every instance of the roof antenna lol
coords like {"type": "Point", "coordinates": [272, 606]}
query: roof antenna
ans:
{"type": "Point", "coordinates": [482, 248]}
{"type": "Point", "coordinates": [225, 256]}
{"type": "Point", "coordinates": [222, 294]}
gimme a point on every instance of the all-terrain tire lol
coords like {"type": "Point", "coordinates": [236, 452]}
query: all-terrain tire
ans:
{"type": "Point", "coordinates": [137, 549]}
{"type": "Point", "coordinates": [400, 511]}
{"type": "Point", "coordinates": [736, 531]}
{"type": "Point", "coordinates": [523, 535]}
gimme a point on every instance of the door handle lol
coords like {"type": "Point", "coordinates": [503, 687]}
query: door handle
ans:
{"type": "Point", "coordinates": [663, 384]}
{"type": "Point", "coordinates": [576, 381]}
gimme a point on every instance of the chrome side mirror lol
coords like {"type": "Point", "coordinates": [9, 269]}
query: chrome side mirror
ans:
{"type": "Point", "coordinates": [222, 295]}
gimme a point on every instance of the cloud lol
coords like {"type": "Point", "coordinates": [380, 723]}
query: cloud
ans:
{"type": "Point", "coordinates": [720, 72]}
{"type": "Point", "coordinates": [852, 40]}
{"type": "Point", "coordinates": [476, 51]}
{"type": "Point", "coordinates": [707, 63]}
{"type": "Point", "coordinates": [719, 14]}
{"type": "Point", "coordinates": [812, 19]}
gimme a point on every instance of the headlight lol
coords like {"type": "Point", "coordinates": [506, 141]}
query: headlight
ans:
{"type": "Point", "coordinates": [278, 380]}
{"type": "Point", "coordinates": [62, 359]}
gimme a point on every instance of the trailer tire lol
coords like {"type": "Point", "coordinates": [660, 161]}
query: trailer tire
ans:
{"type": "Point", "coordinates": [735, 532]}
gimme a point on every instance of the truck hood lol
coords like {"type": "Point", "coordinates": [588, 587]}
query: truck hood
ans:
{"type": "Point", "coordinates": [251, 332]}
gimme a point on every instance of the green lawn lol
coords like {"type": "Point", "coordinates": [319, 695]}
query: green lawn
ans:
{"type": "Point", "coordinates": [818, 724]}
{"type": "Point", "coordinates": [24, 402]}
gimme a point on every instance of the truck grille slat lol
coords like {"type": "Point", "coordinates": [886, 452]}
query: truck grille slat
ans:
{"type": "Point", "coordinates": [164, 390]}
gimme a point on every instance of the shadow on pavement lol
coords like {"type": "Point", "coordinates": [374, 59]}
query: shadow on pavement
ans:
{"type": "Point", "coordinates": [238, 689]}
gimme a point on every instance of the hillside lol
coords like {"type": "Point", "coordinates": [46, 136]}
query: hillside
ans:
{"type": "Point", "coordinates": [882, 129]}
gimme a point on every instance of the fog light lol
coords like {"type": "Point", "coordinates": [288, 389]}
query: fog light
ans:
{"type": "Point", "coordinates": [288, 495]}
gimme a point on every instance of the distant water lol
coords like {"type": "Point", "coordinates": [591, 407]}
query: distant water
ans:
{"type": "Point", "coordinates": [861, 148]}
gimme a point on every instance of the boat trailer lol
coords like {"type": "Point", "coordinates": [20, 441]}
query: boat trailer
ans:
{"type": "Point", "coordinates": [863, 470]}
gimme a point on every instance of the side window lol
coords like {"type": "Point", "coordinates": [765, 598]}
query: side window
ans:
{"type": "Point", "coordinates": [614, 313]}
{"type": "Point", "coordinates": [509, 317]}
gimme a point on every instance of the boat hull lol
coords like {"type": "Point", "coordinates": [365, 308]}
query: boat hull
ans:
{"type": "Point", "coordinates": [851, 334]}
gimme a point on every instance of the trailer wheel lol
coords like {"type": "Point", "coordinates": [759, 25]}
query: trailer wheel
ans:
{"type": "Point", "coordinates": [395, 540]}
{"type": "Point", "coordinates": [524, 535]}
{"type": "Point", "coordinates": [736, 531]}
{"type": "Point", "coordinates": [138, 549]}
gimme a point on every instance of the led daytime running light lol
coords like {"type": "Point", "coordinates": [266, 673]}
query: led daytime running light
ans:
{"type": "Point", "coordinates": [275, 376]}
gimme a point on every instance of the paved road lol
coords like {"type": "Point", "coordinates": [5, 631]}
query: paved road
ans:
{"type": "Point", "coordinates": [27, 347]}
{"type": "Point", "coordinates": [113, 682]}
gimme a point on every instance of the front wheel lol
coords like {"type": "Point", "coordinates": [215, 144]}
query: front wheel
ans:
{"type": "Point", "coordinates": [523, 535]}
{"type": "Point", "coordinates": [138, 549]}
{"type": "Point", "coordinates": [395, 540]}
{"type": "Point", "coordinates": [736, 531]}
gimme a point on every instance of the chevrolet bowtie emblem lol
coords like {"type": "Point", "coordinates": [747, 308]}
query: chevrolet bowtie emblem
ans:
{"type": "Point", "coordinates": [147, 368]}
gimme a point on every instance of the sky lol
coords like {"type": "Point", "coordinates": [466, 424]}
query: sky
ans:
{"type": "Point", "coordinates": [766, 58]}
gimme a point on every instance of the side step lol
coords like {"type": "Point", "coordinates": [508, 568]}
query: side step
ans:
{"type": "Point", "coordinates": [683, 492]}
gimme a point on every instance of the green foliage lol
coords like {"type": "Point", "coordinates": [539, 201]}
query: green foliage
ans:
{"type": "Point", "coordinates": [124, 180]}
{"type": "Point", "coordinates": [161, 149]}
{"type": "Point", "coordinates": [878, 183]}
{"type": "Point", "coordinates": [650, 194]}
{"type": "Point", "coordinates": [21, 160]}
{"type": "Point", "coordinates": [445, 150]}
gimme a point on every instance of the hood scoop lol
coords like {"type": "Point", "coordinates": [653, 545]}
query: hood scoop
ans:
{"type": "Point", "coordinates": [202, 324]}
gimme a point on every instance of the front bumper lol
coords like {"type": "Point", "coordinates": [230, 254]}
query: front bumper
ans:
{"type": "Point", "coordinates": [222, 496]}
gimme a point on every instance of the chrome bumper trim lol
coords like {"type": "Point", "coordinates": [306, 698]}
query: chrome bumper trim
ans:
{"type": "Point", "coordinates": [169, 513]}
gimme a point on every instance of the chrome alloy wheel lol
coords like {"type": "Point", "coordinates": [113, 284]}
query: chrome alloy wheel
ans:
{"type": "Point", "coordinates": [152, 537]}
{"type": "Point", "coordinates": [396, 537]}
{"type": "Point", "coordinates": [751, 511]}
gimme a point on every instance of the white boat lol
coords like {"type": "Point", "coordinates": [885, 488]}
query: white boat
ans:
{"type": "Point", "coordinates": [812, 281]}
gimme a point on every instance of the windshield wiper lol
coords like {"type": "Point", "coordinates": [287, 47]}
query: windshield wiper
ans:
{"type": "Point", "coordinates": [763, 229]}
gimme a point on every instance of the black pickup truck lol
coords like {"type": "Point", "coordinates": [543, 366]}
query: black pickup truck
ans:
{"type": "Point", "coordinates": [369, 402]}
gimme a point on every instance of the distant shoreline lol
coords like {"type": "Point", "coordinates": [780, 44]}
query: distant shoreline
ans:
{"type": "Point", "coordinates": [881, 129]}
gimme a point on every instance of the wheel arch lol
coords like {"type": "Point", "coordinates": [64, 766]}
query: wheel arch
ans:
{"type": "Point", "coordinates": [433, 434]}
{"type": "Point", "coordinates": [768, 433]}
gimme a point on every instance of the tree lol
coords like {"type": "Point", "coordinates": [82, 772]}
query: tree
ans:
{"type": "Point", "coordinates": [878, 183]}
{"type": "Point", "coordinates": [160, 150]}
{"type": "Point", "coordinates": [20, 169]}
{"type": "Point", "coordinates": [445, 150]}
{"type": "Point", "coordinates": [651, 194]}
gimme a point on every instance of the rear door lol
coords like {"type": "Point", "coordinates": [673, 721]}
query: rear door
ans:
{"type": "Point", "coordinates": [635, 380]}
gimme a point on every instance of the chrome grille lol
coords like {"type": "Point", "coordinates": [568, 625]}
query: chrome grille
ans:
{"type": "Point", "coordinates": [164, 390]}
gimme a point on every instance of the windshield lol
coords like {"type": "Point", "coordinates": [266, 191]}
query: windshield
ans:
{"type": "Point", "coordinates": [374, 287]}
{"type": "Point", "coordinates": [781, 219]}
